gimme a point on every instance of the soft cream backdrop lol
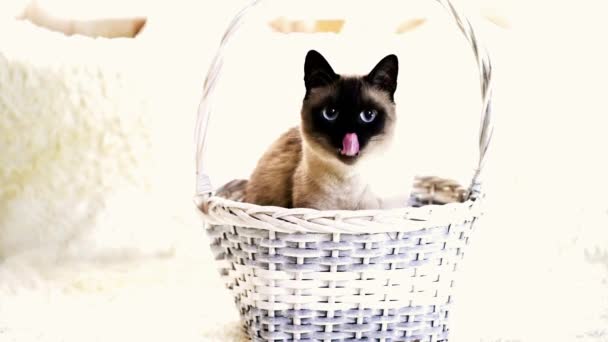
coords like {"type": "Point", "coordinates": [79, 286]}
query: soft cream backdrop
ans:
{"type": "Point", "coordinates": [130, 262]}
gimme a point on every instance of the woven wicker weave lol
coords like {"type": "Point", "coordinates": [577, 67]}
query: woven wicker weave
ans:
{"type": "Point", "coordinates": [370, 275]}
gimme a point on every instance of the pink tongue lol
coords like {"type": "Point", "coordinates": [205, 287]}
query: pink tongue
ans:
{"type": "Point", "coordinates": [350, 145]}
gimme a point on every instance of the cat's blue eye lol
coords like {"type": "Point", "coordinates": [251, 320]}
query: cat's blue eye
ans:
{"type": "Point", "coordinates": [368, 115]}
{"type": "Point", "coordinates": [330, 114]}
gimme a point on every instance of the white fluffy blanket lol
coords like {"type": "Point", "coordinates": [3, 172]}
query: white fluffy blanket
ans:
{"type": "Point", "coordinates": [99, 240]}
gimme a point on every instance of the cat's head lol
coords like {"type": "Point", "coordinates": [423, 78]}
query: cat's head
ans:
{"type": "Point", "coordinates": [348, 117]}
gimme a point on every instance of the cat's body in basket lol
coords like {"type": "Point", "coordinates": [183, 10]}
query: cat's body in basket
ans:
{"type": "Point", "coordinates": [346, 121]}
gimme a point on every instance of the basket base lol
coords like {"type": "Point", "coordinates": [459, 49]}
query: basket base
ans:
{"type": "Point", "coordinates": [430, 324]}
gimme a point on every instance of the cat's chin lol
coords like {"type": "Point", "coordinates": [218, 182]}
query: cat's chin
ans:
{"type": "Point", "coordinates": [348, 160]}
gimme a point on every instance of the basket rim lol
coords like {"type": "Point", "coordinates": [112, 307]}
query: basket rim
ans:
{"type": "Point", "coordinates": [222, 211]}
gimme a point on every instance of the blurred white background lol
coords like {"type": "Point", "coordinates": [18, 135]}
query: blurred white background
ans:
{"type": "Point", "coordinates": [99, 239]}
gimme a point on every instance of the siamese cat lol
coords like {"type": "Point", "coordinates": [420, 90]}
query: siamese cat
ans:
{"type": "Point", "coordinates": [345, 122]}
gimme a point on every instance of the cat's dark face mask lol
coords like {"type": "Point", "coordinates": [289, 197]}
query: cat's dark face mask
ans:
{"type": "Point", "coordinates": [347, 116]}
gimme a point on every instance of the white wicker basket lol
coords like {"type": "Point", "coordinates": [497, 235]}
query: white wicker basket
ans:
{"type": "Point", "coordinates": [309, 275]}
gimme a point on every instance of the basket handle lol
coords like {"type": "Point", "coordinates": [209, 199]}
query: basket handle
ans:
{"type": "Point", "coordinates": [203, 183]}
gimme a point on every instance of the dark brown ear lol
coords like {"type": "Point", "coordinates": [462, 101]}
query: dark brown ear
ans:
{"type": "Point", "coordinates": [317, 71]}
{"type": "Point", "coordinates": [384, 74]}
